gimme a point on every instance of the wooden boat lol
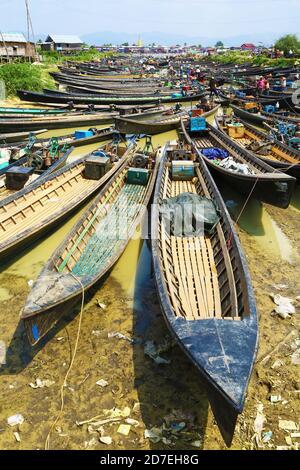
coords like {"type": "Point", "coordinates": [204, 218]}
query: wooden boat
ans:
{"type": "Point", "coordinates": [264, 183]}
{"type": "Point", "coordinates": [264, 117]}
{"type": "Point", "coordinates": [18, 136]}
{"type": "Point", "coordinates": [26, 215]}
{"type": "Point", "coordinates": [42, 163]}
{"type": "Point", "coordinates": [90, 249]}
{"type": "Point", "coordinates": [278, 155]}
{"type": "Point", "coordinates": [60, 97]}
{"type": "Point", "coordinates": [163, 123]}
{"type": "Point", "coordinates": [99, 135]}
{"type": "Point", "coordinates": [263, 100]}
{"type": "Point", "coordinates": [205, 293]}
{"type": "Point", "coordinates": [32, 111]}
{"type": "Point", "coordinates": [56, 123]}
{"type": "Point", "coordinates": [104, 85]}
{"type": "Point", "coordinates": [120, 93]}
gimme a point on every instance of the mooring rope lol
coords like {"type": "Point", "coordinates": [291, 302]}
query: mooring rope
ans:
{"type": "Point", "coordinates": [62, 389]}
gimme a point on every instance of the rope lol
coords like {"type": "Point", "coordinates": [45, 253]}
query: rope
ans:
{"type": "Point", "coordinates": [275, 170]}
{"type": "Point", "coordinates": [62, 394]}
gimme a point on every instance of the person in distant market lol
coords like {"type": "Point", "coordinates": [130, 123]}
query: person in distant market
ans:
{"type": "Point", "coordinates": [267, 86]}
{"type": "Point", "coordinates": [283, 82]}
{"type": "Point", "coordinates": [261, 86]}
{"type": "Point", "coordinates": [213, 87]}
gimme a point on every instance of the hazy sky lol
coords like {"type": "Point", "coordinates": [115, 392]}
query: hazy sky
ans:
{"type": "Point", "coordinates": [208, 18]}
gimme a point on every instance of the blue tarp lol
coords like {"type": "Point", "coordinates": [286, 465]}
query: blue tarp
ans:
{"type": "Point", "coordinates": [215, 153]}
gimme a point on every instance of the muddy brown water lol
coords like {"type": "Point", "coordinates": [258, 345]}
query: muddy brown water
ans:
{"type": "Point", "coordinates": [270, 238]}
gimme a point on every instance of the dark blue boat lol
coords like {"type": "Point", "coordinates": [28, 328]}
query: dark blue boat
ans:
{"type": "Point", "coordinates": [205, 292]}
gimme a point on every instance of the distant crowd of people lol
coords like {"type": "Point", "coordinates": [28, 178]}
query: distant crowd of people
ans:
{"type": "Point", "coordinates": [263, 84]}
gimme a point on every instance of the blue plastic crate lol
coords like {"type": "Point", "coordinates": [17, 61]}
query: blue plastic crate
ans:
{"type": "Point", "coordinates": [269, 108]}
{"type": "Point", "coordinates": [197, 124]}
{"type": "Point", "coordinates": [83, 134]}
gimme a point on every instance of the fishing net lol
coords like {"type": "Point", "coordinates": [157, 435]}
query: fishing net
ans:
{"type": "Point", "coordinates": [189, 215]}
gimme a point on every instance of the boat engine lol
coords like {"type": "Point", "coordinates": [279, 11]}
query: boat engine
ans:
{"type": "Point", "coordinates": [140, 161]}
{"type": "Point", "coordinates": [36, 161]}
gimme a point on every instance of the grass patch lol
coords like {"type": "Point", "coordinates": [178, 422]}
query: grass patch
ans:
{"type": "Point", "coordinates": [23, 76]}
{"type": "Point", "coordinates": [241, 58]}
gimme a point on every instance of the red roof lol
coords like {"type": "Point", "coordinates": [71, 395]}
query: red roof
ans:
{"type": "Point", "coordinates": [248, 45]}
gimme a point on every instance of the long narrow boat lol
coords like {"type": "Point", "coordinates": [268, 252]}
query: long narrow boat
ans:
{"type": "Point", "coordinates": [205, 292]}
{"type": "Point", "coordinates": [61, 122]}
{"type": "Point", "coordinates": [164, 123]}
{"type": "Point", "coordinates": [278, 155]}
{"type": "Point", "coordinates": [41, 164]}
{"type": "Point", "coordinates": [83, 81]}
{"type": "Point", "coordinates": [120, 93]}
{"type": "Point", "coordinates": [91, 248]}
{"type": "Point", "coordinates": [264, 117]}
{"type": "Point", "coordinates": [18, 136]}
{"type": "Point", "coordinates": [92, 99]}
{"type": "Point", "coordinates": [32, 111]}
{"type": "Point", "coordinates": [262, 181]}
{"type": "Point", "coordinates": [26, 215]}
{"type": "Point", "coordinates": [98, 135]}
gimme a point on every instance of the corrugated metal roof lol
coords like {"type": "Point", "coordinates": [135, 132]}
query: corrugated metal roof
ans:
{"type": "Point", "coordinates": [64, 39]}
{"type": "Point", "coordinates": [12, 37]}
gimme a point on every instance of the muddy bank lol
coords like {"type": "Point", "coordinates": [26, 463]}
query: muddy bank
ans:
{"type": "Point", "coordinates": [136, 391]}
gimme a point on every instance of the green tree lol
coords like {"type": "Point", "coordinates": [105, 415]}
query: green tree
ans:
{"type": "Point", "coordinates": [125, 44]}
{"type": "Point", "coordinates": [288, 43]}
{"type": "Point", "coordinates": [219, 45]}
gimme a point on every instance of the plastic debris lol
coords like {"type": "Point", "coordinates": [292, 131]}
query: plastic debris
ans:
{"type": "Point", "coordinates": [2, 353]}
{"type": "Point", "coordinates": [15, 420]}
{"type": "Point", "coordinates": [132, 422]}
{"type": "Point", "coordinates": [285, 306]}
{"type": "Point", "coordinates": [295, 435]}
{"type": "Point", "coordinates": [288, 425]}
{"type": "Point", "coordinates": [101, 305]}
{"type": "Point", "coordinates": [30, 283]}
{"type": "Point", "coordinates": [177, 427]}
{"type": "Point", "coordinates": [275, 398]}
{"type": "Point", "coordinates": [91, 443]}
{"type": "Point", "coordinates": [136, 408]}
{"type": "Point", "coordinates": [259, 423]}
{"type": "Point", "coordinates": [180, 417]}
{"type": "Point", "coordinates": [277, 364]}
{"type": "Point", "coordinates": [102, 383]}
{"type": "Point", "coordinates": [124, 429]}
{"type": "Point", "coordinates": [267, 436]}
{"type": "Point", "coordinates": [105, 440]}
{"type": "Point", "coordinates": [295, 344]}
{"type": "Point", "coordinates": [60, 338]}
{"type": "Point", "coordinates": [17, 436]}
{"type": "Point", "coordinates": [154, 434]}
{"type": "Point", "coordinates": [280, 287]}
{"type": "Point", "coordinates": [41, 383]}
{"type": "Point", "coordinates": [197, 444]}
{"type": "Point", "coordinates": [153, 352]}
{"type": "Point", "coordinates": [120, 336]}
{"type": "Point", "coordinates": [96, 332]}
{"type": "Point", "coordinates": [295, 358]}
{"type": "Point", "coordinates": [289, 441]}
